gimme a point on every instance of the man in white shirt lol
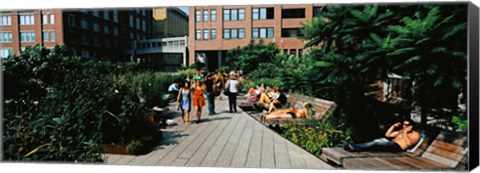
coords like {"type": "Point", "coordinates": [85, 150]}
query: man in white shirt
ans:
{"type": "Point", "coordinates": [173, 89]}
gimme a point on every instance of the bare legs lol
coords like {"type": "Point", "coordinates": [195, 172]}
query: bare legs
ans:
{"type": "Point", "coordinates": [264, 98]}
{"type": "Point", "coordinates": [186, 117]}
{"type": "Point", "coordinates": [198, 112]}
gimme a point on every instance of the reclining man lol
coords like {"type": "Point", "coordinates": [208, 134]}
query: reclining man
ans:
{"type": "Point", "coordinates": [399, 140]}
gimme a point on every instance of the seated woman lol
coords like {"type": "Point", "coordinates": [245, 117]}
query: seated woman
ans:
{"type": "Point", "coordinates": [256, 91]}
{"type": "Point", "coordinates": [266, 97]}
{"type": "Point", "coordinates": [303, 111]}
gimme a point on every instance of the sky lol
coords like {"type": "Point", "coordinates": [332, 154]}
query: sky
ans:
{"type": "Point", "coordinates": [184, 9]}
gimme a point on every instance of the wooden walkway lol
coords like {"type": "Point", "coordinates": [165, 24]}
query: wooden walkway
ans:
{"type": "Point", "coordinates": [223, 140]}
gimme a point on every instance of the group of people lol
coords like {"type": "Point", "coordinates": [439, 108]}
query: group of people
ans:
{"type": "Point", "coordinates": [208, 84]}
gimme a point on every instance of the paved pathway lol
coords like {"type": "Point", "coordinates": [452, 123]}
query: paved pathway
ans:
{"type": "Point", "coordinates": [223, 140]}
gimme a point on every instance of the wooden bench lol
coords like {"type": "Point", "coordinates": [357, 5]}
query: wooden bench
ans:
{"type": "Point", "coordinates": [447, 150]}
{"type": "Point", "coordinates": [323, 108]}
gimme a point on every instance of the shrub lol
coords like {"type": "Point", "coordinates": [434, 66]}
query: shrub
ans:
{"type": "Point", "coordinates": [313, 135]}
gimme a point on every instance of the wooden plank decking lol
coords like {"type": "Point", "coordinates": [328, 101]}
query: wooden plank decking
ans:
{"type": "Point", "coordinates": [223, 140]}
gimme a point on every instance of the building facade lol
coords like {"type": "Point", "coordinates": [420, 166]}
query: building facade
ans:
{"type": "Point", "coordinates": [89, 33]}
{"type": "Point", "coordinates": [169, 22]}
{"type": "Point", "coordinates": [216, 29]}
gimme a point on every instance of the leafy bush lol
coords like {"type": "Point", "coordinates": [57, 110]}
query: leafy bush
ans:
{"type": "Point", "coordinates": [58, 107]}
{"type": "Point", "coordinates": [313, 135]}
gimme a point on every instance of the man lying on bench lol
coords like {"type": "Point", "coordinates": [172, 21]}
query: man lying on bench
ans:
{"type": "Point", "coordinates": [394, 140]}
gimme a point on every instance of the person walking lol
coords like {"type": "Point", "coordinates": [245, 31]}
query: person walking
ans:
{"type": "Point", "coordinates": [184, 102]}
{"type": "Point", "coordinates": [232, 86]}
{"type": "Point", "coordinates": [220, 83]}
{"type": "Point", "coordinates": [198, 99]}
{"type": "Point", "coordinates": [210, 86]}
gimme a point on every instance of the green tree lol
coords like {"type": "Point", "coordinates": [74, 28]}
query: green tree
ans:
{"type": "Point", "coordinates": [247, 58]}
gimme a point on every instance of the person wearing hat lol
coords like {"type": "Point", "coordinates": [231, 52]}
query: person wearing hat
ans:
{"type": "Point", "coordinates": [232, 86]}
{"type": "Point", "coordinates": [298, 111]}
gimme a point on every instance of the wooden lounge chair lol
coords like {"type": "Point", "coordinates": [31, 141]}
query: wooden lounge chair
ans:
{"type": "Point", "coordinates": [448, 150]}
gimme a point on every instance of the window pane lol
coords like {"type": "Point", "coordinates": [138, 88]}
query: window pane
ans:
{"type": "Point", "coordinates": [52, 19]}
{"type": "Point", "coordinates": [293, 52]}
{"type": "Point", "coordinates": [255, 33]}
{"type": "Point", "coordinates": [214, 34]}
{"type": "Point", "coordinates": [205, 16]}
{"type": "Point", "coordinates": [45, 19]}
{"type": "Point", "coordinates": [198, 16]}
{"type": "Point", "coordinates": [45, 36]}
{"type": "Point", "coordinates": [226, 33]}
{"type": "Point", "coordinates": [270, 33]}
{"type": "Point", "coordinates": [213, 15]}
{"type": "Point", "coordinates": [198, 35]}
{"type": "Point", "coordinates": [263, 32]}
{"type": "Point", "coordinates": [234, 14]}
{"type": "Point", "coordinates": [255, 14]}
{"type": "Point", "coordinates": [205, 34]}
{"type": "Point", "coordinates": [52, 36]}
{"type": "Point", "coordinates": [241, 14]}
{"type": "Point", "coordinates": [241, 33]}
{"type": "Point", "coordinates": [234, 33]}
{"type": "Point", "coordinates": [263, 13]}
{"type": "Point", "coordinates": [226, 14]}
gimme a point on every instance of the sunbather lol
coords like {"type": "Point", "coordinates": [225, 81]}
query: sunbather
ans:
{"type": "Point", "coordinates": [400, 140]}
{"type": "Point", "coordinates": [298, 111]}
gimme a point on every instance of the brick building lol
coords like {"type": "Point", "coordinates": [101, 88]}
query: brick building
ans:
{"type": "Point", "coordinates": [88, 33]}
{"type": "Point", "coordinates": [216, 29]}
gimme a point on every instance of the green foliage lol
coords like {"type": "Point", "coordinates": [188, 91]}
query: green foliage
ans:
{"type": "Point", "coordinates": [248, 57]}
{"type": "Point", "coordinates": [461, 123]}
{"type": "Point", "coordinates": [313, 135]}
{"type": "Point", "coordinates": [59, 107]}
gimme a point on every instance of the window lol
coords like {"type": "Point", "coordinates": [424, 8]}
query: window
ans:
{"type": "Point", "coordinates": [5, 21]}
{"type": "Point", "coordinates": [71, 20]}
{"type": "Point", "coordinates": [205, 15]}
{"type": "Point", "coordinates": [262, 13]}
{"type": "Point", "coordinates": [255, 33]}
{"type": "Point", "coordinates": [213, 34]}
{"type": "Point", "coordinates": [198, 16]}
{"type": "Point", "coordinates": [52, 35]}
{"type": "Point", "coordinates": [144, 25]}
{"type": "Point", "coordinates": [115, 31]}
{"type": "Point", "coordinates": [96, 27]}
{"type": "Point", "coordinates": [115, 16]}
{"type": "Point", "coordinates": [241, 14]}
{"type": "Point", "coordinates": [85, 54]}
{"type": "Point", "coordinates": [96, 41]}
{"type": "Point", "coordinates": [106, 30]}
{"type": "Point", "coordinates": [300, 52]}
{"type": "Point", "coordinates": [96, 13]}
{"type": "Point", "coordinates": [234, 33]}
{"type": "Point", "coordinates": [291, 32]}
{"type": "Point", "coordinates": [52, 19]}
{"type": "Point", "coordinates": [6, 37]}
{"type": "Point", "coordinates": [198, 36]}
{"type": "Point", "coordinates": [213, 15]}
{"type": "Point", "coordinates": [262, 33]}
{"type": "Point", "coordinates": [27, 36]}
{"type": "Point", "coordinates": [4, 53]}
{"type": "Point", "coordinates": [241, 33]}
{"type": "Point", "coordinates": [226, 14]}
{"type": "Point", "coordinates": [106, 15]}
{"type": "Point", "coordinates": [270, 33]}
{"type": "Point", "coordinates": [45, 19]}
{"type": "Point", "coordinates": [131, 20]}
{"type": "Point", "coordinates": [234, 14]}
{"type": "Point", "coordinates": [84, 39]}
{"type": "Point", "coordinates": [293, 13]}
{"type": "Point", "coordinates": [317, 11]}
{"type": "Point", "coordinates": [131, 35]}
{"type": "Point", "coordinates": [45, 36]}
{"type": "Point", "coordinates": [138, 23]}
{"type": "Point", "coordinates": [226, 34]}
{"type": "Point", "coordinates": [84, 23]}
{"type": "Point", "coordinates": [205, 34]}
{"type": "Point", "coordinates": [27, 20]}
{"type": "Point", "coordinates": [293, 52]}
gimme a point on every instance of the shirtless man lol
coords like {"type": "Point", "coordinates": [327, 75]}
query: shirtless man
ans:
{"type": "Point", "coordinates": [400, 140]}
{"type": "Point", "coordinates": [299, 111]}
